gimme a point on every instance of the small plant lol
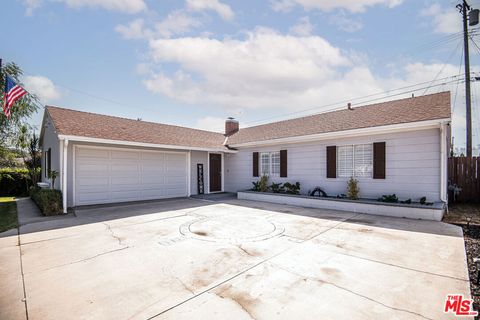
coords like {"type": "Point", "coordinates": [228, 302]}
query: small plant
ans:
{"type": "Point", "coordinates": [408, 201]}
{"type": "Point", "coordinates": [276, 187]}
{"type": "Point", "coordinates": [341, 196]}
{"type": "Point", "coordinates": [292, 188]}
{"type": "Point", "coordinates": [352, 189]}
{"type": "Point", "coordinates": [392, 198]}
{"type": "Point", "coordinates": [52, 174]}
{"type": "Point", "coordinates": [263, 184]}
{"type": "Point", "coordinates": [256, 186]}
{"type": "Point", "coordinates": [423, 201]}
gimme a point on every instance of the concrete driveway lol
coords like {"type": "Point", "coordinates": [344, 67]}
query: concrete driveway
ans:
{"type": "Point", "coordinates": [194, 259]}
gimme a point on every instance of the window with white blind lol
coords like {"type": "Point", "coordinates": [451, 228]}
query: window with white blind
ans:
{"type": "Point", "coordinates": [355, 161]}
{"type": "Point", "coordinates": [270, 163]}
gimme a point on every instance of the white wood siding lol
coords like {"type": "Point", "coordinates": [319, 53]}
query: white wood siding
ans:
{"type": "Point", "coordinates": [412, 167]}
{"type": "Point", "coordinates": [50, 140]}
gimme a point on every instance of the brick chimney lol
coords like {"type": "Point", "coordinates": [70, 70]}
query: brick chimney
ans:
{"type": "Point", "coordinates": [231, 126]}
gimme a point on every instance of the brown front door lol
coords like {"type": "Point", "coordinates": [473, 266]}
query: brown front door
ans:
{"type": "Point", "coordinates": [215, 172]}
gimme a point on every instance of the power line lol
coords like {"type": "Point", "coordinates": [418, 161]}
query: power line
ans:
{"type": "Point", "coordinates": [343, 102]}
{"type": "Point", "coordinates": [444, 65]}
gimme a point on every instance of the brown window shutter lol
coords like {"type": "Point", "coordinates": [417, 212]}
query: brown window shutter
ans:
{"type": "Point", "coordinates": [255, 164]}
{"type": "Point", "coordinates": [283, 163]}
{"type": "Point", "coordinates": [379, 160]}
{"type": "Point", "coordinates": [331, 161]}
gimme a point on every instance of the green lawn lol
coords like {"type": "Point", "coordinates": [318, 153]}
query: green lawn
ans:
{"type": "Point", "coordinates": [8, 213]}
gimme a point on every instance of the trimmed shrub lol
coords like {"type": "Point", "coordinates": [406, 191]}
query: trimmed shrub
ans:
{"type": "Point", "coordinates": [48, 200]}
{"type": "Point", "coordinates": [14, 182]}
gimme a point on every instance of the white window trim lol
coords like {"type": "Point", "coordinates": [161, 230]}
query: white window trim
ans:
{"type": "Point", "coordinates": [353, 160]}
{"type": "Point", "coordinates": [270, 164]}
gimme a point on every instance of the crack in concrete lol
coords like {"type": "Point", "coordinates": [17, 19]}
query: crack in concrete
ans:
{"type": "Point", "coordinates": [239, 301]}
{"type": "Point", "coordinates": [184, 285]}
{"type": "Point", "coordinates": [82, 260]}
{"type": "Point", "coordinates": [351, 291]}
{"type": "Point", "coordinates": [109, 228]}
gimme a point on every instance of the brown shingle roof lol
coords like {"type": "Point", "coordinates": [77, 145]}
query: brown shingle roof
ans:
{"type": "Point", "coordinates": [428, 107]}
{"type": "Point", "coordinates": [85, 124]}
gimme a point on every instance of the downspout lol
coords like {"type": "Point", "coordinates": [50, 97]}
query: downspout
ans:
{"type": "Point", "coordinates": [443, 162]}
{"type": "Point", "coordinates": [64, 175]}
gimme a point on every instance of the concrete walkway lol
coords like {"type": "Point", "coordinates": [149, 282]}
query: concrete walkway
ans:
{"type": "Point", "coordinates": [195, 259]}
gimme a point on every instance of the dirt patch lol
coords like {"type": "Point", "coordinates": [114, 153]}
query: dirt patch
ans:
{"type": "Point", "coordinates": [463, 213]}
{"type": "Point", "coordinates": [243, 299]}
{"type": "Point", "coordinates": [201, 233]}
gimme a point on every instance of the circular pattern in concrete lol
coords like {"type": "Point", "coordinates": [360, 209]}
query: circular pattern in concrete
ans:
{"type": "Point", "coordinates": [231, 229]}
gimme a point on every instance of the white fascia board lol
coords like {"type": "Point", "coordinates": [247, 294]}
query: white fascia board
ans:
{"type": "Point", "coordinates": [139, 144]}
{"type": "Point", "coordinates": [411, 126]}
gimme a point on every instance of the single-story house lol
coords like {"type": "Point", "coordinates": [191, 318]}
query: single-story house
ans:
{"type": "Point", "coordinates": [391, 147]}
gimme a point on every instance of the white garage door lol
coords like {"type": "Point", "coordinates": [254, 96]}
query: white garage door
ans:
{"type": "Point", "coordinates": [118, 175]}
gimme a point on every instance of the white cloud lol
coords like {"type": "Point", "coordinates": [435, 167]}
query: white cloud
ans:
{"type": "Point", "coordinates": [175, 23]}
{"type": "Point", "coordinates": [43, 87]}
{"type": "Point", "coordinates": [444, 20]}
{"type": "Point", "coordinates": [345, 22]}
{"type": "Point", "coordinates": [210, 123]}
{"type": "Point", "coordinates": [303, 28]}
{"type": "Point", "coordinates": [134, 30]}
{"type": "Point", "coordinates": [31, 5]}
{"type": "Point", "coordinates": [223, 10]}
{"type": "Point", "coordinates": [329, 5]}
{"type": "Point", "coordinates": [125, 6]}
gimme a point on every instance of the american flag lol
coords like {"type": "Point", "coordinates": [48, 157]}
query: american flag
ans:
{"type": "Point", "coordinates": [13, 92]}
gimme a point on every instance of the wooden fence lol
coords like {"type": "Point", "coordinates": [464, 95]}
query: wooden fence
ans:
{"type": "Point", "coordinates": [464, 172]}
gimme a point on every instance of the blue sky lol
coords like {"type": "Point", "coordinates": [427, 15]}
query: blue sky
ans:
{"type": "Point", "coordinates": [196, 62]}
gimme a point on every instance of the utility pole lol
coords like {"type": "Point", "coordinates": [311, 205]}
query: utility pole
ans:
{"type": "Point", "coordinates": [463, 7]}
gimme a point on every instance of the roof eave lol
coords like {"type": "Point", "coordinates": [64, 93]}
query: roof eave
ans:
{"type": "Point", "coordinates": [142, 144]}
{"type": "Point", "coordinates": [409, 126]}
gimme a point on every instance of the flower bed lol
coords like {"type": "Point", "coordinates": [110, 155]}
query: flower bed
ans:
{"type": "Point", "coordinates": [434, 211]}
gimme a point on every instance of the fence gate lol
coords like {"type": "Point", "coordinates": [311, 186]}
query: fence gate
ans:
{"type": "Point", "coordinates": [464, 172]}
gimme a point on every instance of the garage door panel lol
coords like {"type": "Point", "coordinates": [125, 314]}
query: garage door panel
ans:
{"type": "Point", "coordinates": [153, 156]}
{"type": "Point", "coordinates": [173, 192]}
{"type": "Point", "coordinates": [153, 193]}
{"type": "Point", "coordinates": [88, 198]}
{"type": "Point", "coordinates": [92, 153]}
{"type": "Point", "coordinates": [132, 155]}
{"type": "Point", "coordinates": [116, 175]}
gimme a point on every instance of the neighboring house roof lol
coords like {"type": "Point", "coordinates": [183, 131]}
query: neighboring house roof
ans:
{"type": "Point", "coordinates": [85, 124]}
{"type": "Point", "coordinates": [423, 108]}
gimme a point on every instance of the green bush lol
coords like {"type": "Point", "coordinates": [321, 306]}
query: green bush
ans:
{"type": "Point", "coordinates": [48, 200]}
{"type": "Point", "coordinates": [392, 198]}
{"type": "Point", "coordinates": [291, 188]}
{"type": "Point", "coordinates": [14, 182]}
{"type": "Point", "coordinates": [276, 187]}
{"type": "Point", "coordinates": [353, 190]}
